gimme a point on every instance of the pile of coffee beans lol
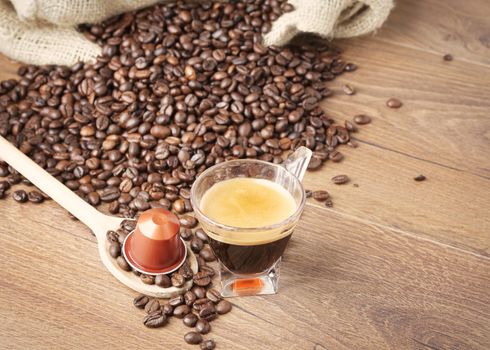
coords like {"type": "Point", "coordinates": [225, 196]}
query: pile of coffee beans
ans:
{"type": "Point", "coordinates": [179, 87]}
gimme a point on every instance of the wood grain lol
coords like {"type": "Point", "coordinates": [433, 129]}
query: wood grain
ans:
{"type": "Point", "coordinates": [461, 28]}
{"type": "Point", "coordinates": [350, 286]}
{"type": "Point", "coordinates": [451, 206]}
{"type": "Point", "coordinates": [395, 264]}
{"type": "Point", "coordinates": [444, 117]}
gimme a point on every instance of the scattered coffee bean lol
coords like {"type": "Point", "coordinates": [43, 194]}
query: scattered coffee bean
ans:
{"type": "Point", "coordinates": [188, 221]}
{"type": "Point", "coordinates": [186, 233]}
{"type": "Point", "coordinates": [193, 338]}
{"type": "Point", "coordinates": [223, 307]}
{"type": "Point", "coordinates": [208, 312]}
{"type": "Point", "coordinates": [199, 292]}
{"type": "Point", "coordinates": [419, 178]}
{"type": "Point", "coordinates": [20, 196]}
{"type": "Point", "coordinates": [308, 193]}
{"type": "Point", "coordinates": [35, 197]}
{"type": "Point", "coordinates": [340, 179]}
{"type": "Point", "coordinates": [186, 271]}
{"type": "Point", "coordinates": [190, 320]}
{"type": "Point", "coordinates": [122, 263]}
{"type": "Point", "coordinates": [4, 185]}
{"type": "Point", "coordinates": [201, 235]}
{"type": "Point", "coordinates": [196, 245]}
{"type": "Point", "coordinates": [163, 281]}
{"type": "Point", "coordinates": [207, 254]}
{"type": "Point", "coordinates": [348, 89]}
{"type": "Point", "coordinates": [181, 310]}
{"type": "Point", "coordinates": [394, 103]}
{"type": "Point", "coordinates": [177, 280]}
{"type": "Point", "coordinates": [147, 279]}
{"type": "Point", "coordinates": [203, 327]}
{"type": "Point", "coordinates": [208, 345]}
{"type": "Point", "coordinates": [115, 249]}
{"type": "Point", "coordinates": [448, 57]}
{"type": "Point", "coordinates": [328, 203]}
{"type": "Point", "coordinates": [155, 319]}
{"type": "Point", "coordinates": [168, 309]}
{"type": "Point", "coordinates": [362, 119]}
{"type": "Point", "coordinates": [152, 305]}
{"type": "Point", "coordinates": [140, 301]}
{"type": "Point", "coordinates": [320, 195]}
{"type": "Point", "coordinates": [213, 295]}
{"type": "Point", "coordinates": [176, 300]}
{"type": "Point", "coordinates": [189, 298]}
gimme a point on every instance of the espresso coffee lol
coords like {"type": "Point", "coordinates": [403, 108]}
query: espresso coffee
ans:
{"type": "Point", "coordinates": [254, 205]}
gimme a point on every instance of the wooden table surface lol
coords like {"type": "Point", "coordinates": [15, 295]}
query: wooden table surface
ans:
{"type": "Point", "coordinates": [395, 264]}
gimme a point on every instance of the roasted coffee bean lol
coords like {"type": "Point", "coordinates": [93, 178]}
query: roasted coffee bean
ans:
{"type": "Point", "coordinates": [208, 344]}
{"type": "Point", "coordinates": [122, 263]}
{"type": "Point", "coordinates": [329, 203]}
{"type": "Point", "coordinates": [181, 310]}
{"type": "Point", "coordinates": [35, 197]}
{"type": "Point", "coordinates": [208, 313]}
{"type": "Point", "coordinates": [163, 281]}
{"type": "Point", "coordinates": [320, 195]}
{"type": "Point", "coordinates": [394, 103]}
{"type": "Point", "coordinates": [340, 179]}
{"type": "Point", "coordinates": [167, 309]}
{"type": "Point", "coordinates": [335, 156]}
{"type": "Point", "coordinates": [200, 304]}
{"type": "Point", "coordinates": [140, 301]}
{"type": "Point", "coordinates": [315, 163]}
{"type": "Point", "coordinates": [223, 307]}
{"type": "Point", "coordinates": [4, 185]}
{"type": "Point", "coordinates": [419, 178]}
{"type": "Point", "coordinates": [348, 89]}
{"type": "Point", "coordinates": [207, 254]}
{"type": "Point", "coordinates": [188, 221]}
{"type": "Point", "coordinates": [193, 338]}
{"type": "Point", "coordinates": [186, 233]}
{"type": "Point", "coordinates": [203, 327]}
{"type": "Point", "coordinates": [213, 295]}
{"type": "Point", "coordinates": [186, 271]}
{"type": "Point", "coordinates": [189, 298]}
{"type": "Point", "coordinates": [176, 300]}
{"type": "Point", "coordinates": [447, 57]}
{"type": "Point", "coordinates": [147, 279]}
{"type": "Point", "coordinates": [308, 193]}
{"type": "Point", "coordinates": [207, 271]}
{"type": "Point", "coordinates": [20, 196]}
{"type": "Point", "coordinates": [115, 249]}
{"type": "Point", "coordinates": [199, 292]}
{"type": "Point", "coordinates": [151, 306]}
{"type": "Point", "coordinates": [177, 280]}
{"type": "Point", "coordinates": [201, 235]}
{"type": "Point", "coordinates": [196, 245]}
{"type": "Point", "coordinates": [155, 319]}
{"type": "Point", "coordinates": [190, 320]}
{"type": "Point", "coordinates": [362, 119]}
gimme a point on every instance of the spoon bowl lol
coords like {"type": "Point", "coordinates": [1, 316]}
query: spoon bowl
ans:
{"type": "Point", "coordinates": [99, 223]}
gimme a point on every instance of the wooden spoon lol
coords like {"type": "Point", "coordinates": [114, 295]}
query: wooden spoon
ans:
{"type": "Point", "coordinates": [99, 223]}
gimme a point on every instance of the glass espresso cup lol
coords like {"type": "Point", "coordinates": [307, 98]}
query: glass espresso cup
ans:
{"type": "Point", "coordinates": [249, 257]}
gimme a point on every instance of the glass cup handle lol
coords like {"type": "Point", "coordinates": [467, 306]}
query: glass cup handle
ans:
{"type": "Point", "coordinates": [298, 161]}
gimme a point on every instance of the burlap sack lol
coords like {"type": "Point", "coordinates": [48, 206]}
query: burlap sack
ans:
{"type": "Point", "coordinates": [43, 31]}
{"type": "Point", "coordinates": [329, 19]}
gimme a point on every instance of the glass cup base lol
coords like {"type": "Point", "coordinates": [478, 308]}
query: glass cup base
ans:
{"type": "Point", "coordinates": [234, 285]}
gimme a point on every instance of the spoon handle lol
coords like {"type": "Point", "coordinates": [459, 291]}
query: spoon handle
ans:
{"type": "Point", "coordinates": [49, 185]}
